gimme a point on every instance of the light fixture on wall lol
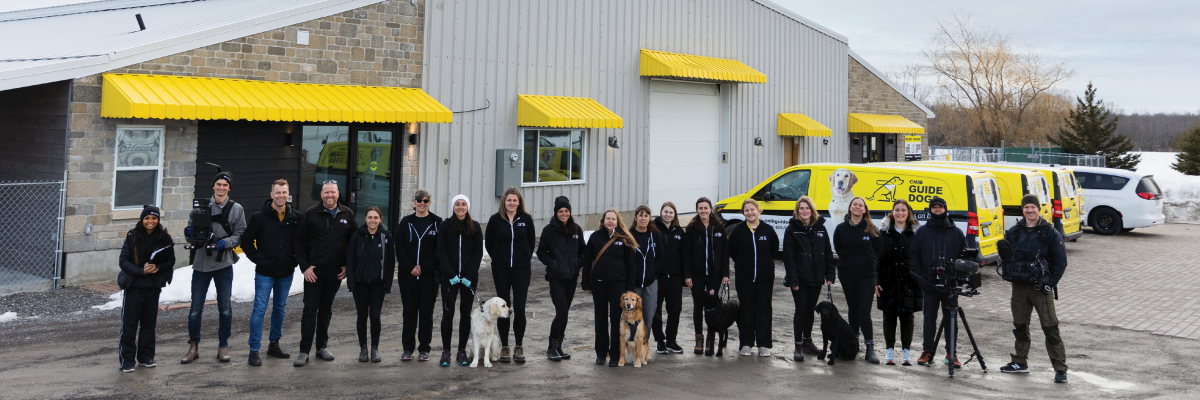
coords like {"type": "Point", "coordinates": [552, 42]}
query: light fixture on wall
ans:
{"type": "Point", "coordinates": [612, 142]}
{"type": "Point", "coordinates": [413, 130]}
{"type": "Point", "coordinates": [825, 141]}
{"type": "Point", "coordinates": [758, 141]}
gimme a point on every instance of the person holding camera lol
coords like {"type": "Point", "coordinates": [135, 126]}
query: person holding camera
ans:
{"type": "Point", "coordinates": [1035, 242]}
{"type": "Point", "coordinates": [215, 266]}
{"type": "Point", "coordinates": [934, 247]}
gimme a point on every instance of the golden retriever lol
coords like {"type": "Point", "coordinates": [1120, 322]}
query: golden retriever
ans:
{"type": "Point", "coordinates": [483, 331]}
{"type": "Point", "coordinates": [635, 345]}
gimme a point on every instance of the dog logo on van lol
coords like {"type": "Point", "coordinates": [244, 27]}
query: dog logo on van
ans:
{"type": "Point", "coordinates": [886, 190]}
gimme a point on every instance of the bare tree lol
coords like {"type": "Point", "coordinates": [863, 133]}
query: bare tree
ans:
{"type": "Point", "coordinates": [911, 78]}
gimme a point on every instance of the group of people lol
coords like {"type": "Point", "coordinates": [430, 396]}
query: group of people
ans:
{"type": "Point", "coordinates": [656, 258]}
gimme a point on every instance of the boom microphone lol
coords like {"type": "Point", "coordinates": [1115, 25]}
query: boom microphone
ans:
{"type": "Point", "coordinates": [1004, 248]}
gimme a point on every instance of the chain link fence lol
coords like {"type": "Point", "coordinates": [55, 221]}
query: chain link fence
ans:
{"type": "Point", "coordinates": [997, 154]}
{"type": "Point", "coordinates": [31, 241]}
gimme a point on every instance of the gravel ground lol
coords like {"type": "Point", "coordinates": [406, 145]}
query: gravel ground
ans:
{"type": "Point", "coordinates": [63, 305]}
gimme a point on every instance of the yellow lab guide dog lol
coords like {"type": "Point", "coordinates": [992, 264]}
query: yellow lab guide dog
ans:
{"type": "Point", "coordinates": [634, 341]}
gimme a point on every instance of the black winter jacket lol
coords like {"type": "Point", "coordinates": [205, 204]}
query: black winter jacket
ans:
{"type": "Point", "coordinates": [510, 244]}
{"type": "Point", "coordinates": [561, 251]}
{"type": "Point", "coordinates": [857, 250]}
{"type": "Point", "coordinates": [1047, 245]}
{"type": "Point", "coordinates": [321, 239]}
{"type": "Point", "coordinates": [458, 255]}
{"type": "Point", "coordinates": [753, 253]}
{"type": "Point", "coordinates": [270, 243]}
{"type": "Point", "coordinates": [416, 244]}
{"type": "Point", "coordinates": [936, 241]}
{"type": "Point", "coordinates": [135, 253]}
{"type": "Point", "coordinates": [648, 257]}
{"type": "Point", "coordinates": [616, 264]}
{"type": "Point", "coordinates": [672, 249]}
{"type": "Point", "coordinates": [808, 254]}
{"type": "Point", "coordinates": [900, 290]}
{"type": "Point", "coordinates": [704, 254]}
{"type": "Point", "coordinates": [371, 258]}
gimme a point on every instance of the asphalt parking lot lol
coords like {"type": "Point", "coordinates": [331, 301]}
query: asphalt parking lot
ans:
{"type": "Point", "coordinates": [1127, 305]}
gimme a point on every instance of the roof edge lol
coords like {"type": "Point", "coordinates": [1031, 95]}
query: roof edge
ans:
{"type": "Point", "coordinates": [804, 21]}
{"type": "Point", "coordinates": [928, 113]}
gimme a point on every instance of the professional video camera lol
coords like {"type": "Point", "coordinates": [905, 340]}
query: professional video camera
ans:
{"type": "Point", "coordinates": [199, 233]}
{"type": "Point", "coordinates": [958, 272]}
{"type": "Point", "coordinates": [958, 277]}
{"type": "Point", "coordinates": [1036, 273]}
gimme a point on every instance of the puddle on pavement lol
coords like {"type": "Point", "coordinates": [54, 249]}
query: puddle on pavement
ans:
{"type": "Point", "coordinates": [1101, 382]}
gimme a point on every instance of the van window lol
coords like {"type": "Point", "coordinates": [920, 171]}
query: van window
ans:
{"type": "Point", "coordinates": [1043, 191]}
{"type": "Point", "coordinates": [790, 186]}
{"type": "Point", "coordinates": [1102, 181]}
{"type": "Point", "coordinates": [1147, 185]}
{"type": "Point", "coordinates": [986, 194]}
{"type": "Point", "coordinates": [995, 193]}
{"type": "Point", "coordinates": [1067, 186]}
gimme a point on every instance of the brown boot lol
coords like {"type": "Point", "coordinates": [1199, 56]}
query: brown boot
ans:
{"type": "Point", "coordinates": [505, 355]}
{"type": "Point", "coordinates": [711, 346]}
{"type": "Point", "coordinates": [809, 348]}
{"type": "Point", "coordinates": [223, 354]}
{"type": "Point", "coordinates": [699, 344]}
{"type": "Point", "coordinates": [193, 353]}
{"type": "Point", "coordinates": [519, 354]}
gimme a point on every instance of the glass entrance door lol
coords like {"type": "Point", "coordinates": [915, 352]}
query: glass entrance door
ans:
{"type": "Point", "coordinates": [373, 177]}
{"type": "Point", "coordinates": [327, 154]}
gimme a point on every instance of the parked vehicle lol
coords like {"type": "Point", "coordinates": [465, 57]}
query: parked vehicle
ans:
{"type": "Point", "coordinates": [1119, 200]}
{"type": "Point", "coordinates": [1014, 184]}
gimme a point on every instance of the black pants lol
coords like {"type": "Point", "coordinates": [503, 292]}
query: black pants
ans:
{"type": "Point", "coordinates": [512, 285]}
{"type": "Point", "coordinates": [449, 294]}
{"type": "Point", "coordinates": [805, 300]}
{"type": "Point", "coordinates": [562, 292]}
{"type": "Point", "coordinates": [318, 310]}
{"type": "Point", "coordinates": [889, 328]}
{"type": "Point", "coordinates": [754, 311]}
{"type": "Point", "coordinates": [607, 298]}
{"type": "Point", "coordinates": [418, 297]}
{"type": "Point", "coordinates": [859, 295]}
{"type": "Point", "coordinates": [701, 285]}
{"type": "Point", "coordinates": [368, 300]}
{"type": "Point", "coordinates": [139, 315]}
{"type": "Point", "coordinates": [670, 291]}
{"type": "Point", "coordinates": [934, 301]}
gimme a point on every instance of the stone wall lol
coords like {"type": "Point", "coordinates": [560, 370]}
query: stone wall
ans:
{"type": "Point", "coordinates": [871, 95]}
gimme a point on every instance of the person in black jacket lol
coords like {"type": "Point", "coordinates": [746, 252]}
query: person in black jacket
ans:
{"type": "Point", "coordinates": [268, 241]}
{"type": "Point", "coordinates": [808, 264]}
{"type": "Point", "coordinates": [648, 262]}
{"type": "Point", "coordinates": [670, 280]}
{"type": "Point", "coordinates": [417, 248]}
{"type": "Point", "coordinates": [752, 247]}
{"type": "Point", "coordinates": [370, 266]}
{"type": "Point", "coordinates": [510, 238]}
{"type": "Point", "coordinates": [607, 274]}
{"type": "Point", "coordinates": [561, 249]}
{"type": "Point", "coordinates": [147, 264]}
{"type": "Point", "coordinates": [936, 243]}
{"type": "Point", "coordinates": [321, 240]}
{"type": "Point", "coordinates": [898, 292]}
{"type": "Point", "coordinates": [705, 262]}
{"type": "Point", "coordinates": [459, 253]}
{"type": "Point", "coordinates": [857, 243]}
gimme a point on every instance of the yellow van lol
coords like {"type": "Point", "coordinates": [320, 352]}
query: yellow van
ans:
{"type": "Point", "coordinates": [972, 197]}
{"type": "Point", "coordinates": [1066, 198]}
{"type": "Point", "coordinates": [1014, 184]}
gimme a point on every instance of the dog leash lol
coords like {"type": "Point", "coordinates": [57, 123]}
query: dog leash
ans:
{"type": "Point", "coordinates": [477, 300]}
{"type": "Point", "coordinates": [829, 292]}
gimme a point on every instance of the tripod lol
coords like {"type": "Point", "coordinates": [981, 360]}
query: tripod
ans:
{"type": "Point", "coordinates": [957, 314]}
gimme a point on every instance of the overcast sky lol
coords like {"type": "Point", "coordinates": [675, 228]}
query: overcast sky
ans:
{"type": "Point", "coordinates": [1142, 56]}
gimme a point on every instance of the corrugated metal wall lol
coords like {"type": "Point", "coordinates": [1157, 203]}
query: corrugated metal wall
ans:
{"type": "Point", "coordinates": [480, 51]}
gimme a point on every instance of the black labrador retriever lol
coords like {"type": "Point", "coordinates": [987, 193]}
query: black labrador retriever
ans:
{"type": "Point", "coordinates": [835, 329]}
{"type": "Point", "coordinates": [719, 317]}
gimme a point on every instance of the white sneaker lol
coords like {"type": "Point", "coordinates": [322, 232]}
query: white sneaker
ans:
{"type": "Point", "coordinates": [764, 352]}
{"type": "Point", "coordinates": [888, 357]}
{"type": "Point", "coordinates": [746, 351]}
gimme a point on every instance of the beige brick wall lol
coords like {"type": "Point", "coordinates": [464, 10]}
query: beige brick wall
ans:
{"type": "Point", "coordinates": [871, 95]}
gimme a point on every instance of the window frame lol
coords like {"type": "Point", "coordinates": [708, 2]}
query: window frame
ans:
{"type": "Point", "coordinates": [583, 141]}
{"type": "Point", "coordinates": [159, 168]}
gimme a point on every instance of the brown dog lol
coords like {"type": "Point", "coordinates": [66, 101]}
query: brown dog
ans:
{"type": "Point", "coordinates": [634, 341]}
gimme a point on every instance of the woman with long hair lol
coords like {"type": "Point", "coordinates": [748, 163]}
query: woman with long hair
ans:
{"type": "Point", "coordinates": [752, 247]}
{"type": "Point", "coordinates": [670, 280]}
{"type": "Point", "coordinates": [705, 263]}
{"type": "Point", "coordinates": [648, 261]}
{"type": "Point", "coordinates": [808, 264]}
{"type": "Point", "coordinates": [147, 264]}
{"type": "Point", "coordinates": [560, 249]}
{"type": "Point", "coordinates": [460, 250]}
{"type": "Point", "coordinates": [370, 266]}
{"type": "Point", "coordinates": [857, 243]}
{"type": "Point", "coordinates": [607, 273]}
{"type": "Point", "coordinates": [899, 294]}
{"type": "Point", "coordinates": [418, 288]}
{"type": "Point", "coordinates": [510, 239]}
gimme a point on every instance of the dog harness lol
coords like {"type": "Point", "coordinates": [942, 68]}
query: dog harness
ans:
{"type": "Point", "coordinates": [633, 330]}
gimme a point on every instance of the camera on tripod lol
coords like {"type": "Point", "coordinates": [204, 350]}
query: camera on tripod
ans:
{"type": "Point", "coordinates": [958, 272]}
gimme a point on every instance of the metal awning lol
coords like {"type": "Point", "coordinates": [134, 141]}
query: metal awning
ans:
{"type": "Point", "coordinates": [675, 65]}
{"type": "Point", "coordinates": [187, 97]}
{"type": "Point", "coordinates": [801, 125]}
{"type": "Point", "coordinates": [564, 112]}
{"type": "Point", "coordinates": [871, 123]}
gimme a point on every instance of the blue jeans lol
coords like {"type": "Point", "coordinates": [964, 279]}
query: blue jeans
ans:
{"type": "Point", "coordinates": [200, 280]}
{"type": "Point", "coordinates": [263, 287]}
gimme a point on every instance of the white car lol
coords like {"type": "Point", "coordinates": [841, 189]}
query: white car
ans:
{"type": "Point", "coordinates": [1118, 200]}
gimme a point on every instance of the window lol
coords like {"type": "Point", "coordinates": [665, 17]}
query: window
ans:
{"type": "Point", "coordinates": [1101, 181]}
{"type": "Point", "coordinates": [1148, 185]}
{"type": "Point", "coordinates": [1043, 191]}
{"type": "Point", "coordinates": [552, 156]}
{"type": "Point", "coordinates": [788, 187]}
{"type": "Point", "coordinates": [986, 195]}
{"type": "Point", "coordinates": [1065, 184]}
{"type": "Point", "coordinates": [138, 167]}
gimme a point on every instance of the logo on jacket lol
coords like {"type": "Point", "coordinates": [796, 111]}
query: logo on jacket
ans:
{"type": "Point", "coordinates": [866, 238]}
{"type": "Point", "coordinates": [618, 243]}
{"type": "Point", "coordinates": [819, 234]}
{"type": "Point", "coordinates": [677, 237]}
{"type": "Point", "coordinates": [520, 224]}
{"type": "Point", "coordinates": [762, 238]}
{"type": "Point", "coordinates": [343, 220]}
{"type": "Point", "coordinates": [434, 233]}
{"type": "Point", "coordinates": [574, 236]}
{"type": "Point", "coordinates": [718, 234]}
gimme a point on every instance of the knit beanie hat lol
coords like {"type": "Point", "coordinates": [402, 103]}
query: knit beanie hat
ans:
{"type": "Point", "coordinates": [561, 202]}
{"type": "Point", "coordinates": [150, 210]}
{"type": "Point", "coordinates": [937, 200]}
{"type": "Point", "coordinates": [456, 199]}
{"type": "Point", "coordinates": [228, 177]}
{"type": "Point", "coordinates": [1031, 199]}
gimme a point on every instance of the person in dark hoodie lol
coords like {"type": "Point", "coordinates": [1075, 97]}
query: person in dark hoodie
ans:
{"type": "Point", "coordinates": [417, 248]}
{"type": "Point", "coordinates": [898, 292]}
{"type": "Point", "coordinates": [560, 249]}
{"type": "Point", "coordinates": [321, 241]}
{"type": "Point", "coordinates": [510, 238]}
{"type": "Point", "coordinates": [705, 262]}
{"type": "Point", "coordinates": [938, 242]}
{"type": "Point", "coordinates": [607, 274]}
{"type": "Point", "coordinates": [459, 252]}
{"type": "Point", "coordinates": [808, 264]}
{"type": "Point", "coordinates": [752, 247]}
{"type": "Point", "coordinates": [370, 266]}
{"type": "Point", "coordinates": [1035, 240]}
{"type": "Point", "coordinates": [147, 264]}
{"type": "Point", "coordinates": [857, 243]}
{"type": "Point", "coordinates": [670, 280]}
{"type": "Point", "coordinates": [269, 241]}
{"type": "Point", "coordinates": [648, 261]}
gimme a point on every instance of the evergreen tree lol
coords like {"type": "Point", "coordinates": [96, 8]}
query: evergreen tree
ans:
{"type": "Point", "coordinates": [1090, 130]}
{"type": "Point", "coordinates": [1188, 160]}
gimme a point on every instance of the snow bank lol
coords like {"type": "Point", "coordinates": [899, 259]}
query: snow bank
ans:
{"type": "Point", "coordinates": [180, 289]}
{"type": "Point", "coordinates": [8, 316]}
{"type": "Point", "coordinates": [1181, 193]}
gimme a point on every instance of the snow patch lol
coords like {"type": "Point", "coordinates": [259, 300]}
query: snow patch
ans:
{"type": "Point", "coordinates": [1101, 382]}
{"type": "Point", "coordinates": [180, 289]}
{"type": "Point", "coordinates": [8, 316]}
{"type": "Point", "coordinates": [1181, 193]}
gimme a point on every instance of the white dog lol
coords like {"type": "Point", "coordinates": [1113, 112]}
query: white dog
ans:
{"type": "Point", "coordinates": [484, 339]}
{"type": "Point", "coordinates": [840, 183]}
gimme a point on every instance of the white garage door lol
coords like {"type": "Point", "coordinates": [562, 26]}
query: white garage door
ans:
{"type": "Point", "coordinates": [685, 151]}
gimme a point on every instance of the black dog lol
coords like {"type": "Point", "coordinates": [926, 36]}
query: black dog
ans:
{"type": "Point", "coordinates": [719, 317]}
{"type": "Point", "coordinates": [837, 330]}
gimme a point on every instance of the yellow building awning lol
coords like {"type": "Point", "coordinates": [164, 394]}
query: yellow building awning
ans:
{"type": "Point", "coordinates": [871, 123]}
{"type": "Point", "coordinates": [801, 125]}
{"type": "Point", "coordinates": [564, 112]}
{"type": "Point", "coordinates": [664, 64]}
{"type": "Point", "coordinates": [187, 97]}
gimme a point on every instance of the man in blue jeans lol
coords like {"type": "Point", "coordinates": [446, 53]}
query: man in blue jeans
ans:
{"type": "Point", "coordinates": [215, 266]}
{"type": "Point", "coordinates": [268, 242]}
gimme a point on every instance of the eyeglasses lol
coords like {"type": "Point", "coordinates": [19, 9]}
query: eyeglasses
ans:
{"type": "Point", "coordinates": [329, 181]}
{"type": "Point", "coordinates": [423, 201]}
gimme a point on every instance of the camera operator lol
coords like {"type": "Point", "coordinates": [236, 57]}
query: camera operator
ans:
{"type": "Point", "coordinates": [935, 245]}
{"type": "Point", "coordinates": [1036, 241]}
{"type": "Point", "coordinates": [228, 223]}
